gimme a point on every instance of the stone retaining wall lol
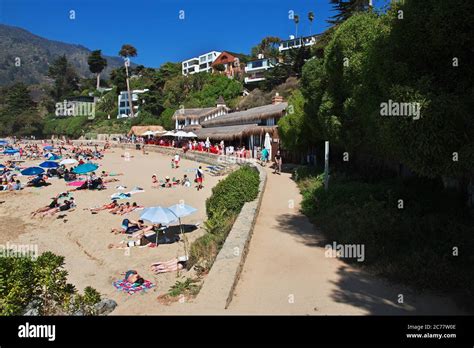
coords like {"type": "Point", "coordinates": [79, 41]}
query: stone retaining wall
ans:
{"type": "Point", "coordinates": [219, 286]}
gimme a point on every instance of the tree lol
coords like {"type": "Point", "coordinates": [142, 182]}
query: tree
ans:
{"type": "Point", "coordinates": [97, 64]}
{"type": "Point", "coordinates": [268, 47]}
{"type": "Point", "coordinates": [311, 19]}
{"type": "Point", "coordinates": [118, 77]}
{"type": "Point", "coordinates": [346, 8]}
{"type": "Point", "coordinates": [292, 127]}
{"type": "Point", "coordinates": [126, 52]}
{"type": "Point", "coordinates": [296, 19]}
{"type": "Point", "coordinates": [19, 115]}
{"type": "Point", "coordinates": [65, 78]}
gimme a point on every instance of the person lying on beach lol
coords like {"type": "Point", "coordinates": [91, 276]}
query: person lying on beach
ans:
{"type": "Point", "coordinates": [129, 227]}
{"type": "Point", "coordinates": [54, 203]}
{"type": "Point", "coordinates": [141, 241]}
{"type": "Point", "coordinates": [104, 174]}
{"type": "Point", "coordinates": [38, 181]}
{"type": "Point", "coordinates": [134, 278]}
{"type": "Point", "coordinates": [118, 208]}
{"type": "Point", "coordinates": [141, 238]}
{"type": "Point", "coordinates": [67, 205]}
{"type": "Point", "coordinates": [129, 208]}
{"type": "Point", "coordinates": [172, 265]}
{"type": "Point", "coordinates": [104, 207]}
{"type": "Point", "coordinates": [107, 180]}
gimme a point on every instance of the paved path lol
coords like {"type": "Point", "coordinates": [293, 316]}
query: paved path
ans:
{"type": "Point", "coordinates": [286, 271]}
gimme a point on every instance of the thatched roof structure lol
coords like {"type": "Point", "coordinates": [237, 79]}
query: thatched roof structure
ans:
{"type": "Point", "coordinates": [250, 116]}
{"type": "Point", "coordinates": [229, 133]}
{"type": "Point", "coordinates": [139, 130]}
{"type": "Point", "coordinates": [197, 113]}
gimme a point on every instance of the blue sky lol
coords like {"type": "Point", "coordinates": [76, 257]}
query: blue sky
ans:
{"type": "Point", "coordinates": [154, 26]}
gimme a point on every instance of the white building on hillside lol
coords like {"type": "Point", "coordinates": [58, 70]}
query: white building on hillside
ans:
{"type": "Point", "coordinates": [124, 105]}
{"type": "Point", "coordinates": [199, 64]}
{"type": "Point", "coordinates": [255, 69]}
{"type": "Point", "coordinates": [297, 43]}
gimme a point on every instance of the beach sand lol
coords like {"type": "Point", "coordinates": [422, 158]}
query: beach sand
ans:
{"type": "Point", "coordinates": [83, 238]}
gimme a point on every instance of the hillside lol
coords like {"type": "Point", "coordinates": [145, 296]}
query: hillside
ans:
{"type": "Point", "coordinates": [36, 53]}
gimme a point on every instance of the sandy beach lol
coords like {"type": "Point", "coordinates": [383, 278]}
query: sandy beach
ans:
{"type": "Point", "coordinates": [83, 238]}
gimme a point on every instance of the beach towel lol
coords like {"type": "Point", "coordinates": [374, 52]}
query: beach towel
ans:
{"type": "Point", "coordinates": [131, 288]}
{"type": "Point", "coordinates": [120, 195]}
{"type": "Point", "coordinates": [76, 183]}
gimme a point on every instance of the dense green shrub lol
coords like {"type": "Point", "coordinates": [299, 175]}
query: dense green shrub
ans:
{"type": "Point", "coordinates": [228, 198]}
{"type": "Point", "coordinates": [41, 282]}
{"type": "Point", "coordinates": [230, 194]}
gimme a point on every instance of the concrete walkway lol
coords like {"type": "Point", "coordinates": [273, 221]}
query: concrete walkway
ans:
{"type": "Point", "coordinates": [286, 271]}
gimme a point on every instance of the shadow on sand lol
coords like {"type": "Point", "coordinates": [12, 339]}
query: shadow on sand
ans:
{"type": "Point", "coordinates": [357, 287]}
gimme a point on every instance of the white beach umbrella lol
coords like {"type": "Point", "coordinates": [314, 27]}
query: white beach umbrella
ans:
{"type": "Point", "coordinates": [169, 134]}
{"type": "Point", "coordinates": [148, 133]}
{"type": "Point", "coordinates": [181, 134]}
{"type": "Point", "coordinates": [67, 161]}
{"type": "Point", "coordinates": [191, 135]}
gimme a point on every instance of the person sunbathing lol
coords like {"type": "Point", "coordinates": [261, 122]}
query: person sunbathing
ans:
{"type": "Point", "coordinates": [38, 181]}
{"type": "Point", "coordinates": [104, 207]}
{"type": "Point", "coordinates": [172, 265]}
{"type": "Point", "coordinates": [129, 208]}
{"type": "Point", "coordinates": [133, 277]}
{"type": "Point", "coordinates": [104, 174]}
{"type": "Point", "coordinates": [67, 205]}
{"type": "Point", "coordinates": [54, 203]}
{"type": "Point", "coordinates": [119, 208]}
{"type": "Point", "coordinates": [141, 241]}
{"type": "Point", "coordinates": [129, 227]}
{"type": "Point", "coordinates": [106, 180]}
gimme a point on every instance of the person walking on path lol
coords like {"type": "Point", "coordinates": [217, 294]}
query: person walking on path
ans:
{"type": "Point", "coordinates": [278, 163]}
{"type": "Point", "coordinates": [199, 177]}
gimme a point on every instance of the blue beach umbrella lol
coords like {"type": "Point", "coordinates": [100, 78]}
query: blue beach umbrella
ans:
{"type": "Point", "coordinates": [159, 215]}
{"type": "Point", "coordinates": [182, 210]}
{"type": "Point", "coordinates": [49, 147]}
{"type": "Point", "coordinates": [51, 156]}
{"type": "Point", "coordinates": [11, 151]}
{"type": "Point", "coordinates": [32, 171]}
{"type": "Point", "coordinates": [2, 166]}
{"type": "Point", "coordinates": [49, 164]}
{"type": "Point", "coordinates": [3, 142]}
{"type": "Point", "coordinates": [85, 168]}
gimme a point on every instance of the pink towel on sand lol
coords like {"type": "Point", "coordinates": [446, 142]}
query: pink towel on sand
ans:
{"type": "Point", "coordinates": [76, 183]}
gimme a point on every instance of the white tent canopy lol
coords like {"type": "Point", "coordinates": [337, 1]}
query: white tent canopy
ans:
{"type": "Point", "coordinates": [181, 134]}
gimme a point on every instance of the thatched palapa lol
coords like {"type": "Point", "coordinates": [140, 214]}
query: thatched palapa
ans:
{"type": "Point", "coordinates": [230, 133]}
{"type": "Point", "coordinates": [139, 130]}
{"type": "Point", "coordinates": [250, 116]}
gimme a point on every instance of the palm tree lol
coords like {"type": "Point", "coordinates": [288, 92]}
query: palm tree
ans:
{"type": "Point", "coordinates": [311, 19]}
{"type": "Point", "coordinates": [125, 52]}
{"type": "Point", "coordinates": [97, 64]}
{"type": "Point", "coordinates": [296, 18]}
